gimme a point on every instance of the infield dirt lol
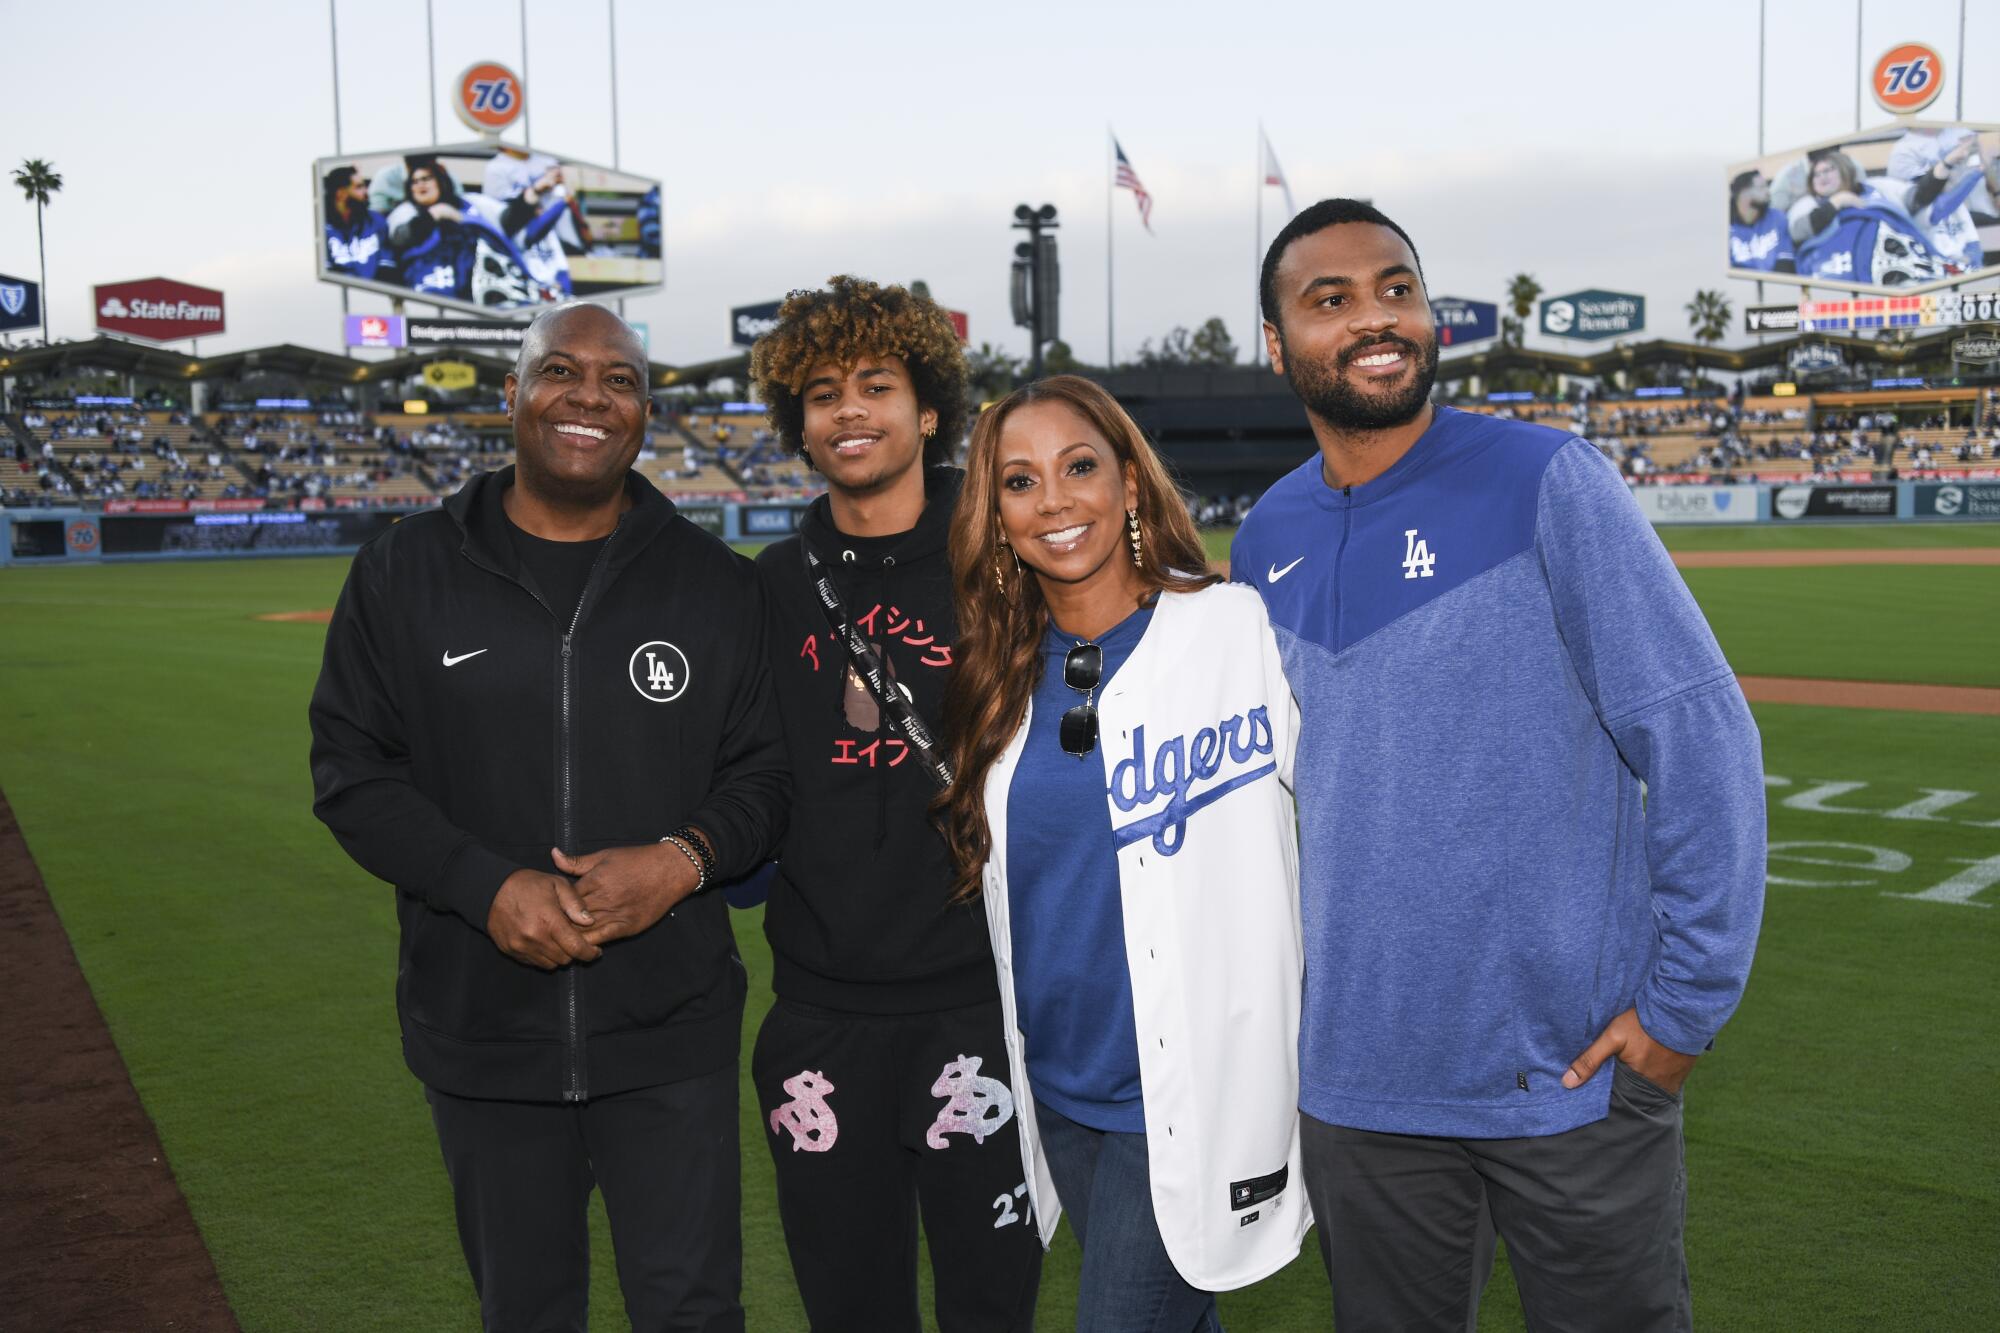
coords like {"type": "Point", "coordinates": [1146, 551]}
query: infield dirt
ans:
{"type": "Point", "coordinates": [98, 1235]}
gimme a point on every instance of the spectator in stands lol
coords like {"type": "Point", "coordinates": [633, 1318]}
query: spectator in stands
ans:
{"type": "Point", "coordinates": [517, 172]}
{"type": "Point", "coordinates": [468, 247]}
{"type": "Point", "coordinates": [1758, 236]}
{"type": "Point", "coordinates": [1846, 226]}
{"type": "Point", "coordinates": [1947, 181]}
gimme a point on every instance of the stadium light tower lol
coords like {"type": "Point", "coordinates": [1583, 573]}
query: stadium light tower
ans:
{"type": "Point", "coordinates": [1037, 281]}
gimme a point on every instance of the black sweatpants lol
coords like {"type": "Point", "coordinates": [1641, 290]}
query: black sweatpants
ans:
{"type": "Point", "coordinates": [871, 1119]}
{"type": "Point", "coordinates": [1592, 1219]}
{"type": "Point", "coordinates": [666, 1159]}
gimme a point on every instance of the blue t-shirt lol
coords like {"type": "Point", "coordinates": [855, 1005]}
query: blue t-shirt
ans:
{"type": "Point", "coordinates": [1761, 244]}
{"type": "Point", "coordinates": [1073, 992]}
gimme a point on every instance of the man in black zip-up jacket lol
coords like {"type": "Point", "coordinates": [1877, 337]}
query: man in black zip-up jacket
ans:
{"type": "Point", "coordinates": [544, 680]}
{"type": "Point", "coordinates": [881, 1069]}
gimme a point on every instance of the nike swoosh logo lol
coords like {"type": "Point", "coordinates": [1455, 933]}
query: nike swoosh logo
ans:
{"type": "Point", "coordinates": [1277, 573]}
{"type": "Point", "coordinates": [449, 660]}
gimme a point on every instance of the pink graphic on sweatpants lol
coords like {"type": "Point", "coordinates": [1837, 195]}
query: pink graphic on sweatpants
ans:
{"type": "Point", "coordinates": [807, 1115]}
{"type": "Point", "coordinates": [978, 1106]}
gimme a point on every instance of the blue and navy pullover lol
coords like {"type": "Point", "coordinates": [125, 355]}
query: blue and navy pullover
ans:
{"type": "Point", "coordinates": [1530, 793]}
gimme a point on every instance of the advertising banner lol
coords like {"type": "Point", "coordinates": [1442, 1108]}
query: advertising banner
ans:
{"type": "Point", "coordinates": [706, 517]}
{"type": "Point", "coordinates": [1460, 321]}
{"type": "Point", "coordinates": [1697, 504]}
{"type": "Point", "coordinates": [1791, 502]}
{"type": "Point", "coordinates": [771, 520]}
{"type": "Point", "coordinates": [1970, 499]}
{"type": "Point", "coordinates": [1976, 349]}
{"type": "Point", "coordinates": [1908, 207]}
{"type": "Point", "coordinates": [1815, 359]}
{"type": "Point", "coordinates": [81, 537]}
{"type": "Point", "coordinates": [501, 335]}
{"type": "Point", "coordinates": [1770, 319]}
{"type": "Point", "coordinates": [748, 323]}
{"type": "Point", "coordinates": [1907, 78]}
{"type": "Point", "coordinates": [158, 309]}
{"type": "Point", "coordinates": [1593, 314]}
{"type": "Point", "coordinates": [451, 376]}
{"type": "Point", "coordinates": [489, 97]}
{"type": "Point", "coordinates": [20, 303]}
{"type": "Point", "coordinates": [375, 331]}
{"type": "Point", "coordinates": [485, 227]}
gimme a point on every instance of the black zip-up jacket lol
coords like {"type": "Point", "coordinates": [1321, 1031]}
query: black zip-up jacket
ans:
{"type": "Point", "coordinates": [859, 916]}
{"type": "Point", "coordinates": [462, 727]}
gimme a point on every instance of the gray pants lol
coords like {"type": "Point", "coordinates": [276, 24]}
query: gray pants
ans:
{"type": "Point", "coordinates": [1592, 1220]}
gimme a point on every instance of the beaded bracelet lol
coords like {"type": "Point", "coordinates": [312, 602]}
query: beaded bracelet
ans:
{"type": "Point", "coordinates": [687, 835]}
{"type": "Point", "coordinates": [700, 870]}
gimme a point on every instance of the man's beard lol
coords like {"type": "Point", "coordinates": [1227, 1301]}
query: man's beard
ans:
{"type": "Point", "coordinates": [1328, 395]}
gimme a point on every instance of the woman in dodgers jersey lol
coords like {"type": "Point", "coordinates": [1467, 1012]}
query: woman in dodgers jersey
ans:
{"type": "Point", "coordinates": [1122, 736]}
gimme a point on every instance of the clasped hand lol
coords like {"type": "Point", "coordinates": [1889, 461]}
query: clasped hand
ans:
{"type": "Point", "coordinates": [548, 921]}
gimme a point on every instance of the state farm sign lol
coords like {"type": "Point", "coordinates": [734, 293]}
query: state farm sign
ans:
{"type": "Point", "coordinates": [158, 309]}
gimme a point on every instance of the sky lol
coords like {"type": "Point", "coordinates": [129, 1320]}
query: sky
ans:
{"type": "Point", "coordinates": [1584, 143]}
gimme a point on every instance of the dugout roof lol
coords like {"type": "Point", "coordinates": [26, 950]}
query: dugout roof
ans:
{"type": "Point", "coordinates": [304, 363]}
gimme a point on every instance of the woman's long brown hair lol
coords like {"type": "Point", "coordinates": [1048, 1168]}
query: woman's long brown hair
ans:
{"type": "Point", "coordinates": [998, 653]}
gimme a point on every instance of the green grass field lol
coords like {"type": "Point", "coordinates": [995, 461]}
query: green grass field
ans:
{"type": "Point", "coordinates": [1844, 1167]}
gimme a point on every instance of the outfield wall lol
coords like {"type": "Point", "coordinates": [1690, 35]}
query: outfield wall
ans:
{"type": "Point", "coordinates": [71, 535]}
{"type": "Point", "coordinates": [68, 536]}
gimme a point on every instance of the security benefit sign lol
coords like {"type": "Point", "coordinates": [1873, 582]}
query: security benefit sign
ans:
{"type": "Point", "coordinates": [159, 310]}
{"type": "Point", "coordinates": [1593, 314]}
{"type": "Point", "coordinates": [1959, 499]}
{"type": "Point", "coordinates": [1459, 321]}
{"type": "Point", "coordinates": [20, 303]}
{"type": "Point", "coordinates": [1697, 504]}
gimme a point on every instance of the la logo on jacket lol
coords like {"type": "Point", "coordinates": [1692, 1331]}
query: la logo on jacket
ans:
{"type": "Point", "coordinates": [659, 671]}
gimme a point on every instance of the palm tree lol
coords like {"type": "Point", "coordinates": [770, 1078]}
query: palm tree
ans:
{"type": "Point", "coordinates": [1708, 315]}
{"type": "Point", "coordinates": [38, 180]}
{"type": "Point", "coordinates": [1522, 293]}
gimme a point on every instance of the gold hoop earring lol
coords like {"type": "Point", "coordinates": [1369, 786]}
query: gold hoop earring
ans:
{"type": "Point", "coordinates": [1132, 533]}
{"type": "Point", "coordinates": [1000, 570]}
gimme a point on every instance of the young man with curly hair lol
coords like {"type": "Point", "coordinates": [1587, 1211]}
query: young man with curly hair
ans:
{"type": "Point", "coordinates": [881, 1070]}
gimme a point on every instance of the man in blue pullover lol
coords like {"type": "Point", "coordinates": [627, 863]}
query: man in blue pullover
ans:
{"type": "Point", "coordinates": [1531, 813]}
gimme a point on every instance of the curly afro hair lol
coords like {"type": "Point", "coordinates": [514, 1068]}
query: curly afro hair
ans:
{"type": "Point", "coordinates": [854, 318]}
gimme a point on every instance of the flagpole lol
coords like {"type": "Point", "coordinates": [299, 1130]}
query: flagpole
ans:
{"type": "Point", "coordinates": [1257, 260]}
{"type": "Point", "coordinates": [1110, 191]}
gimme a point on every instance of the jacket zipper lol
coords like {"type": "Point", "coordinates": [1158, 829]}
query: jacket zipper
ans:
{"type": "Point", "coordinates": [1339, 553]}
{"type": "Point", "coordinates": [576, 1086]}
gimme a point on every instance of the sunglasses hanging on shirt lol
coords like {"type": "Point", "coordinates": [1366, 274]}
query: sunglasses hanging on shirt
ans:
{"type": "Point", "coordinates": [1083, 668]}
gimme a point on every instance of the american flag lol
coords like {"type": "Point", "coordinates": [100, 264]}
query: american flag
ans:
{"type": "Point", "coordinates": [1275, 174]}
{"type": "Point", "coordinates": [1128, 179]}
